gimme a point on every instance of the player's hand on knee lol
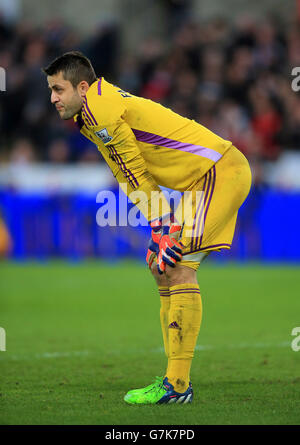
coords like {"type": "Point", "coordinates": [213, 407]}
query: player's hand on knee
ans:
{"type": "Point", "coordinates": [164, 243]}
{"type": "Point", "coordinates": [170, 249]}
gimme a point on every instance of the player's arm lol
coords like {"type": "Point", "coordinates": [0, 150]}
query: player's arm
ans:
{"type": "Point", "coordinates": [121, 147]}
{"type": "Point", "coordinates": [118, 143]}
{"type": "Point", "coordinates": [124, 151]}
{"type": "Point", "coordinates": [106, 110]}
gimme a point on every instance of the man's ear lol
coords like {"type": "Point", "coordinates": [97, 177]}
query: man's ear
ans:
{"type": "Point", "coordinates": [82, 88]}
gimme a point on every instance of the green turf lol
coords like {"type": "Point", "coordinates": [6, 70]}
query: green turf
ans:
{"type": "Point", "coordinates": [79, 336]}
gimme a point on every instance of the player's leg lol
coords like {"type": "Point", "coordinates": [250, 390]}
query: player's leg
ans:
{"type": "Point", "coordinates": [164, 294]}
{"type": "Point", "coordinates": [224, 188]}
{"type": "Point", "coordinates": [180, 321]}
{"type": "Point", "coordinates": [185, 316]}
{"type": "Point", "coordinates": [185, 309]}
{"type": "Point", "coordinates": [163, 289]}
{"type": "Point", "coordinates": [180, 302]}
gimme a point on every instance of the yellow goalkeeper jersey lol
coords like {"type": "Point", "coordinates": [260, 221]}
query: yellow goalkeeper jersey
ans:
{"type": "Point", "coordinates": [146, 144]}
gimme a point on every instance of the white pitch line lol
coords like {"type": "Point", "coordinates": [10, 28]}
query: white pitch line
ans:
{"type": "Point", "coordinates": [260, 345]}
{"type": "Point", "coordinates": [281, 344]}
{"type": "Point", "coordinates": [43, 355]}
{"type": "Point", "coordinates": [51, 355]}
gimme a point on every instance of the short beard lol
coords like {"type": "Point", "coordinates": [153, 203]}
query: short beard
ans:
{"type": "Point", "coordinates": [70, 114]}
{"type": "Point", "coordinates": [66, 116]}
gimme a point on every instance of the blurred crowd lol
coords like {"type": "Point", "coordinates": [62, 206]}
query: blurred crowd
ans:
{"type": "Point", "coordinates": [233, 77]}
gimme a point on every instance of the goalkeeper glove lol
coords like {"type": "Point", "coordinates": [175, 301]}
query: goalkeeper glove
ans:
{"type": "Point", "coordinates": [170, 249]}
{"type": "Point", "coordinates": [164, 244]}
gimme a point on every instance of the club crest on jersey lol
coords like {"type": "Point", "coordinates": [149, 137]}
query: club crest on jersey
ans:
{"type": "Point", "coordinates": [103, 135]}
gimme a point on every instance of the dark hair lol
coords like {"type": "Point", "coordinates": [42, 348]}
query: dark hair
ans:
{"type": "Point", "coordinates": [74, 66]}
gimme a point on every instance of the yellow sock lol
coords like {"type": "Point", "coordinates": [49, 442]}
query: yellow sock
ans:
{"type": "Point", "coordinates": [185, 315]}
{"type": "Point", "coordinates": [164, 315]}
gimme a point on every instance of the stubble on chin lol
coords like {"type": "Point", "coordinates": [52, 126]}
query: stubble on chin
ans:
{"type": "Point", "coordinates": [65, 115]}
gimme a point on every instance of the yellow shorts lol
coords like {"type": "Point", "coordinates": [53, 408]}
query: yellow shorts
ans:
{"type": "Point", "coordinates": [213, 216]}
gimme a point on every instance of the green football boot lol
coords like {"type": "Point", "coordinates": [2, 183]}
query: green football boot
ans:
{"type": "Point", "coordinates": [158, 381]}
{"type": "Point", "coordinates": [160, 393]}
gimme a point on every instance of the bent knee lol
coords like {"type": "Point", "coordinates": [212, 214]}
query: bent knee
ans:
{"type": "Point", "coordinates": [180, 275]}
{"type": "Point", "coordinates": [154, 270]}
{"type": "Point", "coordinates": [160, 279]}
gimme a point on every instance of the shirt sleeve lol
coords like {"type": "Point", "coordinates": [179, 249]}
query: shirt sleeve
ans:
{"type": "Point", "coordinates": [118, 143]}
{"type": "Point", "coordinates": [143, 190]}
{"type": "Point", "coordinates": [106, 114]}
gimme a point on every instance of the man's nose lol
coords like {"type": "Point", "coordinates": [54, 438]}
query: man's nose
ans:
{"type": "Point", "coordinates": [54, 97]}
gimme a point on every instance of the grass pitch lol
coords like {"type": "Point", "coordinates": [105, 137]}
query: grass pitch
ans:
{"type": "Point", "coordinates": [79, 336]}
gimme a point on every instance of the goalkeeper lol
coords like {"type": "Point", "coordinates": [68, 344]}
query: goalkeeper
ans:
{"type": "Point", "coordinates": [147, 146]}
